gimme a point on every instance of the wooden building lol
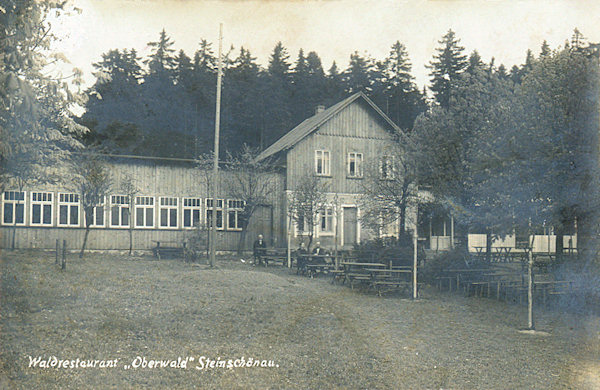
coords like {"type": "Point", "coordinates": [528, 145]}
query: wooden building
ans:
{"type": "Point", "coordinates": [172, 201]}
{"type": "Point", "coordinates": [335, 145]}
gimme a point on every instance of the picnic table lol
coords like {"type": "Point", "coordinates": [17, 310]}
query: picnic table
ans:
{"type": "Point", "coordinates": [355, 271]}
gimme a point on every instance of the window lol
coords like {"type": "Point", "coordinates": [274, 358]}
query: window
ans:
{"type": "Point", "coordinates": [209, 211]}
{"type": "Point", "coordinates": [326, 220]}
{"type": "Point", "coordinates": [144, 211]}
{"type": "Point", "coordinates": [191, 212]}
{"type": "Point", "coordinates": [119, 211]}
{"type": "Point", "coordinates": [41, 208]}
{"type": "Point", "coordinates": [98, 214]}
{"type": "Point", "coordinates": [355, 164]}
{"type": "Point", "coordinates": [168, 212]}
{"type": "Point", "coordinates": [13, 208]}
{"type": "Point", "coordinates": [68, 210]}
{"type": "Point", "coordinates": [234, 207]}
{"type": "Point", "coordinates": [322, 162]}
{"type": "Point", "coordinates": [386, 167]}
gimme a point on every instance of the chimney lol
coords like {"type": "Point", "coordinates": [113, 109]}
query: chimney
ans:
{"type": "Point", "coordinates": [320, 108]}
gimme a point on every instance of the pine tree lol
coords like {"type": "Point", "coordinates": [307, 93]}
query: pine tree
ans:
{"type": "Point", "coordinates": [161, 60]}
{"type": "Point", "coordinates": [446, 66]}
{"type": "Point", "coordinates": [357, 76]}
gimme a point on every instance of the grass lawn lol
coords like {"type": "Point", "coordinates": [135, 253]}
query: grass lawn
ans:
{"type": "Point", "coordinates": [319, 335]}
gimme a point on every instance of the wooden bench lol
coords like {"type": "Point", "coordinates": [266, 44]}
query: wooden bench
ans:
{"type": "Point", "coordinates": [169, 249]}
{"type": "Point", "coordinates": [276, 255]}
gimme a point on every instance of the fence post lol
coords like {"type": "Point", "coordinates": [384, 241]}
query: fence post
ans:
{"type": "Point", "coordinates": [64, 255]}
{"type": "Point", "coordinates": [57, 251]}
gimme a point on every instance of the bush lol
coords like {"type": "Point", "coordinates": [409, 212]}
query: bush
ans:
{"type": "Point", "coordinates": [398, 250]}
{"type": "Point", "coordinates": [456, 258]}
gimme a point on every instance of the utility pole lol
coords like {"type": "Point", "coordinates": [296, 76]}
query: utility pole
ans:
{"type": "Point", "coordinates": [213, 241]}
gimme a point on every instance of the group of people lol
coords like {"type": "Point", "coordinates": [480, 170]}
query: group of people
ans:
{"type": "Point", "coordinates": [302, 257]}
{"type": "Point", "coordinates": [260, 249]}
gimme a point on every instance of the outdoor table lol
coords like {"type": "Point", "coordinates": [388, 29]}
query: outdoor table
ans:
{"type": "Point", "coordinates": [360, 269]}
{"type": "Point", "coordinates": [502, 253]}
{"type": "Point", "coordinates": [458, 273]}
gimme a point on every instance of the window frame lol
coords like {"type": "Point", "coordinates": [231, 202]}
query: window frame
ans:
{"type": "Point", "coordinates": [102, 204]}
{"type": "Point", "coordinates": [358, 162]}
{"type": "Point", "coordinates": [63, 201]}
{"type": "Point", "coordinates": [191, 209]}
{"type": "Point", "coordinates": [327, 215]}
{"type": "Point", "coordinates": [325, 162]}
{"type": "Point", "coordinates": [168, 207]}
{"type": "Point", "coordinates": [13, 203]}
{"type": "Point", "coordinates": [219, 208]}
{"type": "Point", "coordinates": [41, 204]}
{"type": "Point", "coordinates": [120, 206]}
{"type": "Point", "coordinates": [385, 159]}
{"type": "Point", "coordinates": [144, 206]}
{"type": "Point", "coordinates": [236, 208]}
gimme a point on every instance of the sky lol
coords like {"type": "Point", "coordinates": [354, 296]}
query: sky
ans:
{"type": "Point", "coordinates": [503, 29]}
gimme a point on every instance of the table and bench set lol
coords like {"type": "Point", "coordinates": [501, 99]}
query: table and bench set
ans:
{"type": "Point", "coordinates": [503, 282]}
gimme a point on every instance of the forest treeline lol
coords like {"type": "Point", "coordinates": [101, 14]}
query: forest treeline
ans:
{"type": "Point", "coordinates": [164, 104]}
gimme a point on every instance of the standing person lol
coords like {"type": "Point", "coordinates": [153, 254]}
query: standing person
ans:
{"type": "Point", "coordinates": [259, 250]}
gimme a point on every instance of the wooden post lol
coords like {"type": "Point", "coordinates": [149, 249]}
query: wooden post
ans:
{"type": "Point", "coordinates": [452, 231]}
{"type": "Point", "coordinates": [213, 241]}
{"type": "Point", "coordinates": [415, 259]}
{"type": "Point", "coordinates": [57, 251]}
{"type": "Point", "coordinates": [64, 255]}
{"type": "Point", "coordinates": [289, 242]}
{"type": "Point", "coordinates": [530, 323]}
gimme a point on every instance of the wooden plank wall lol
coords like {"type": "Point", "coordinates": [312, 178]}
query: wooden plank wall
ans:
{"type": "Point", "coordinates": [152, 178]}
{"type": "Point", "coordinates": [355, 129]}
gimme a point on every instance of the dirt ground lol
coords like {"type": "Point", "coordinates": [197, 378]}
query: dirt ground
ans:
{"type": "Point", "coordinates": [314, 334]}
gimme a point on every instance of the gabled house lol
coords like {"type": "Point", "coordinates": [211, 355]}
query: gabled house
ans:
{"type": "Point", "coordinates": [335, 145]}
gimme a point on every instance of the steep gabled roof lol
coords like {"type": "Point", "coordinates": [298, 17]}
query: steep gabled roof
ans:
{"type": "Point", "coordinates": [311, 124]}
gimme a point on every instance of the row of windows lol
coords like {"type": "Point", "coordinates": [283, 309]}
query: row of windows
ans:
{"type": "Point", "coordinates": [146, 214]}
{"type": "Point", "coordinates": [354, 165]}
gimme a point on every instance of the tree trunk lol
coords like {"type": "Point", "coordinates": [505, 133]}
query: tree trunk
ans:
{"type": "Point", "coordinates": [85, 238]}
{"type": "Point", "coordinates": [402, 220]}
{"type": "Point", "coordinates": [14, 233]}
{"type": "Point", "coordinates": [240, 247]}
{"type": "Point", "coordinates": [559, 232]}
{"type": "Point", "coordinates": [488, 245]}
{"type": "Point", "coordinates": [130, 241]}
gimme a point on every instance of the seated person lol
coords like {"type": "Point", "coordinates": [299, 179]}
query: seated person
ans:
{"type": "Point", "coordinates": [259, 250]}
{"type": "Point", "coordinates": [301, 259]}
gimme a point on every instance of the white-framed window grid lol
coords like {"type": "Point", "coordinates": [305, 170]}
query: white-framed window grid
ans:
{"type": "Point", "coordinates": [168, 212]}
{"type": "Point", "coordinates": [355, 161]}
{"type": "Point", "coordinates": [41, 208]}
{"type": "Point", "coordinates": [68, 209]}
{"type": "Point", "coordinates": [234, 207]}
{"type": "Point", "coordinates": [144, 211]}
{"type": "Point", "coordinates": [322, 162]}
{"type": "Point", "coordinates": [13, 208]}
{"type": "Point", "coordinates": [98, 214]}
{"type": "Point", "coordinates": [209, 212]}
{"type": "Point", "coordinates": [192, 212]}
{"type": "Point", "coordinates": [326, 221]}
{"type": "Point", "coordinates": [119, 211]}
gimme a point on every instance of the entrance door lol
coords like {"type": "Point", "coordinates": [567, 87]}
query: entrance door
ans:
{"type": "Point", "coordinates": [349, 225]}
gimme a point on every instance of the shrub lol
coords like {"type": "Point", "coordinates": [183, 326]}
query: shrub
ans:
{"type": "Point", "coordinates": [456, 258]}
